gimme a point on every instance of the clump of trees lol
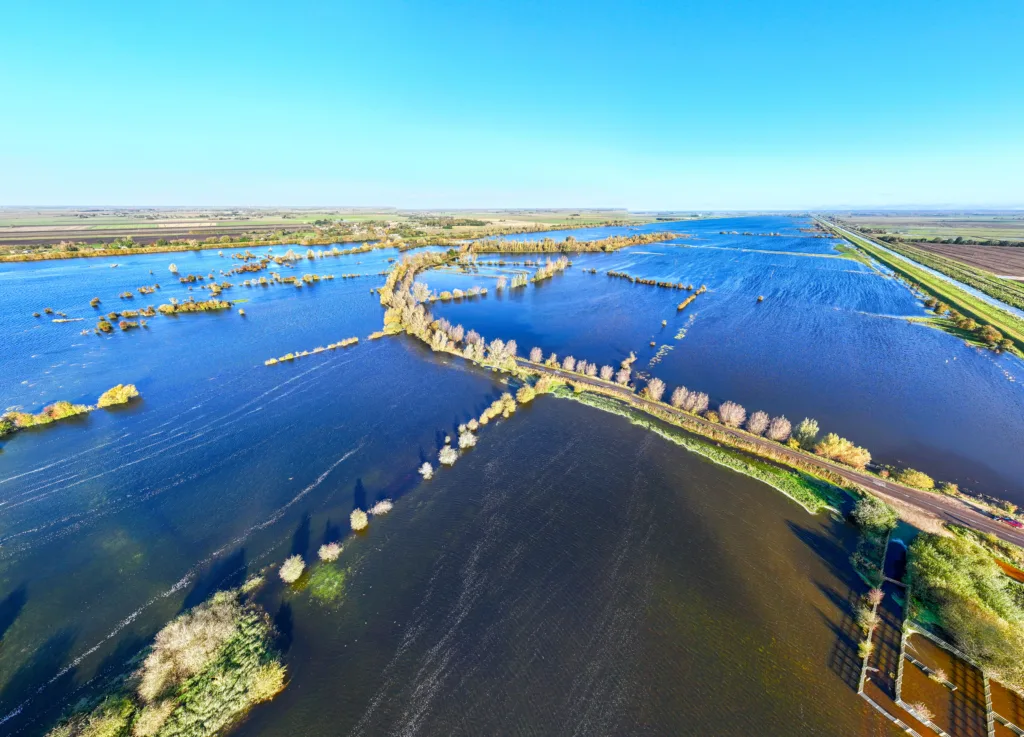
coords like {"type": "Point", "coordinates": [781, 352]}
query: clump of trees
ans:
{"type": "Point", "coordinates": [958, 583]}
{"type": "Point", "coordinates": [466, 440]}
{"type": "Point", "coordinates": [448, 455]}
{"type": "Point", "coordinates": [205, 669]}
{"type": "Point", "coordinates": [570, 244]}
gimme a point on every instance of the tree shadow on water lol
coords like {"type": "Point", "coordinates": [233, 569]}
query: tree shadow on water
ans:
{"type": "Point", "coordinates": [10, 608]}
{"type": "Point", "coordinates": [300, 540]}
{"type": "Point", "coordinates": [228, 573]}
{"type": "Point", "coordinates": [359, 495]}
{"type": "Point", "coordinates": [31, 679]}
{"type": "Point", "coordinates": [284, 625]}
{"type": "Point", "coordinates": [843, 659]}
{"type": "Point", "coordinates": [332, 532]}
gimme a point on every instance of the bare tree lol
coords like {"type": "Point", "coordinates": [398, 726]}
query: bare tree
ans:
{"type": "Point", "coordinates": [732, 414]}
{"type": "Point", "coordinates": [655, 389]}
{"type": "Point", "coordinates": [569, 363]}
{"type": "Point", "coordinates": [472, 336]}
{"type": "Point", "coordinates": [502, 283]}
{"type": "Point", "coordinates": [779, 429]}
{"type": "Point", "coordinates": [536, 355]}
{"type": "Point", "coordinates": [757, 423]}
{"type": "Point", "coordinates": [678, 396]}
{"type": "Point", "coordinates": [456, 333]}
{"type": "Point", "coordinates": [591, 369]}
{"type": "Point", "coordinates": [511, 349]}
{"type": "Point", "coordinates": [622, 376]}
{"type": "Point", "coordinates": [607, 372]}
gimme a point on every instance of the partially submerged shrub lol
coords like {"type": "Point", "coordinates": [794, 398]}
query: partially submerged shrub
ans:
{"type": "Point", "coordinates": [327, 584]}
{"type": "Point", "coordinates": [120, 394]}
{"type": "Point", "coordinates": [358, 520]}
{"type": "Point", "coordinates": [382, 507]}
{"type": "Point", "coordinates": [329, 552]}
{"type": "Point", "coordinates": [426, 471]}
{"type": "Point", "coordinates": [467, 440]}
{"type": "Point", "coordinates": [448, 455]}
{"type": "Point", "coordinates": [292, 569]}
{"type": "Point", "coordinates": [525, 394]}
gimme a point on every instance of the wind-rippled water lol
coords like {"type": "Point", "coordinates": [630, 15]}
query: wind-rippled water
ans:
{"type": "Point", "coordinates": [572, 574]}
{"type": "Point", "coordinates": [831, 341]}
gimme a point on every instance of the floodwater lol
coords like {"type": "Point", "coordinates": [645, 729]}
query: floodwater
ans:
{"type": "Point", "coordinates": [572, 574]}
{"type": "Point", "coordinates": [830, 341]}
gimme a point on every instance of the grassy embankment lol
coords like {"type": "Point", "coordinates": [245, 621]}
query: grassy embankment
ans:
{"type": "Point", "coordinates": [813, 494]}
{"type": "Point", "coordinates": [950, 294]}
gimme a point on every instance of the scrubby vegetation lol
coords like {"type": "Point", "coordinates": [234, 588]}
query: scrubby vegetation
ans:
{"type": "Point", "coordinates": [327, 584]}
{"type": "Point", "coordinates": [203, 671]}
{"type": "Point", "coordinates": [875, 519]}
{"type": "Point", "coordinates": [120, 394]}
{"type": "Point", "coordinates": [570, 244]}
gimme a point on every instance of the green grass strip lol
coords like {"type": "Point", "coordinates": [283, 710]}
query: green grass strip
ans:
{"type": "Point", "coordinates": [812, 494]}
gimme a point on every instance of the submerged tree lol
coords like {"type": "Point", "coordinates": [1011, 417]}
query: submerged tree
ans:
{"type": "Point", "coordinates": [448, 455]}
{"type": "Point", "coordinates": [292, 569]}
{"type": "Point", "coordinates": [358, 520]}
{"type": "Point", "coordinates": [426, 471]}
{"type": "Point", "coordinates": [466, 440]}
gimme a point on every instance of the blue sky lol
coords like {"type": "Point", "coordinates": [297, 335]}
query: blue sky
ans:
{"type": "Point", "coordinates": [655, 105]}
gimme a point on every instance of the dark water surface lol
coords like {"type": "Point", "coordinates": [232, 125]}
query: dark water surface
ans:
{"type": "Point", "coordinates": [571, 575]}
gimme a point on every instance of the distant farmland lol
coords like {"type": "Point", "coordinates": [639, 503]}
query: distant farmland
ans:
{"type": "Point", "coordinates": [1000, 260]}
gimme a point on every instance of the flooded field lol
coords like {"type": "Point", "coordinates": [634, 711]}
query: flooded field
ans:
{"type": "Point", "coordinates": [571, 574]}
